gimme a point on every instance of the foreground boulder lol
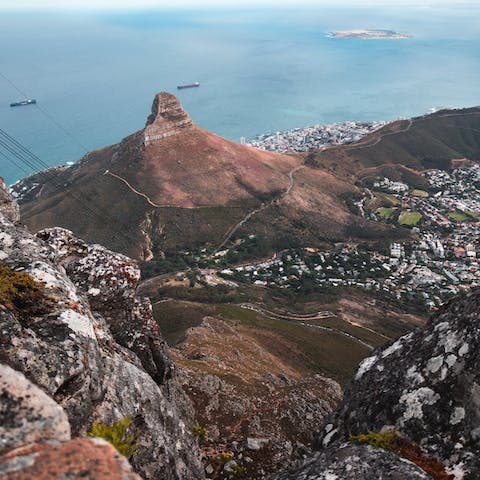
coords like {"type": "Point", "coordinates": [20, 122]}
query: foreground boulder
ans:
{"type": "Point", "coordinates": [85, 458]}
{"type": "Point", "coordinates": [27, 414]}
{"type": "Point", "coordinates": [35, 439]}
{"type": "Point", "coordinates": [426, 385]}
{"type": "Point", "coordinates": [76, 330]}
{"type": "Point", "coordinates": [359, 462]}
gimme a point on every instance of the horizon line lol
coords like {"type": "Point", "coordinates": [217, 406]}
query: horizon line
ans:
{"type": "Point", "coordinates": [128, 5]}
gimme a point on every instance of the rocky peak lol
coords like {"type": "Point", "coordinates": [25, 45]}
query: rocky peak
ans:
{"type": "Point", "coordinates": [168, 118]}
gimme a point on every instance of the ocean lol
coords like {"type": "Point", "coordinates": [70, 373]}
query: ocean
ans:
{"type": "Point", "coordinates": [94, 74]}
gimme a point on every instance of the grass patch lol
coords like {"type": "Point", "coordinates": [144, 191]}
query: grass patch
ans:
{"type": "Point", "coordinates": [458, 217]}
{"type": "Point", "coordinates": [20, 292]}
{"type": "Point", "coordinates": [473, 215]}
{"type": "Point", "coordinates": [385, 213]}
{"type": "Point", "coordinates": [420, 193]}
{"type": "Point", "coordinates": [409, 219]}
{"type": "Point", "coordinates": [384, 440]}
{"type": "Point", "coordinates": [117, 434]}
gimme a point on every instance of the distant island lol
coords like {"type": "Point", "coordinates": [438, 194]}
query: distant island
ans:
{"type": "Point", "coordinates": [368, 34]}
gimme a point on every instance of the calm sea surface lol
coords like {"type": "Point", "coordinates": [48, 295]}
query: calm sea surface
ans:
{"type": "Point", "coordinates": [96, 74]}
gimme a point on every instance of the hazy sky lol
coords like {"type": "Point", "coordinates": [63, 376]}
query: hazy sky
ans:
{"type": "Point", "coordinates": [122, 4]}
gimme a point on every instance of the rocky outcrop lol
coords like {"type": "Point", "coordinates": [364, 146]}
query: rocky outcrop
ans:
{"type": "Point", "coordinates": [356, 462]}
{"type": "Point", "coordinates": [111, 292]}
{"type": "Point", "coordinates": [426, 387]}
{"type": "Point", "coordinates": [35, 439]}
{"type": "Point", "coordinates": [266, 425]}
{"type": "Point", "coordinates": [27, 414]}
{"type": "Point", "coordinates": [168, 118]}
{"type": "Point", "coordinates": [88, 459]}
{"type": "Point", "coordinates": [8, 208]}
{"type": "Point", "coordinates": [92, 346]}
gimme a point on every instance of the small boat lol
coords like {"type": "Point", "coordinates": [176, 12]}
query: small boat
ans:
{"type": "Point", "coordinates": [23, 102]}
{"type": "Point", "coordinates": [189, 85]}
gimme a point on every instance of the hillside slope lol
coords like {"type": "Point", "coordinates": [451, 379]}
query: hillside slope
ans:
{"type": "Point", "coordinates": [429, 141]}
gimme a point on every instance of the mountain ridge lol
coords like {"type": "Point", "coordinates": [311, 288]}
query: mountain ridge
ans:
{"type": "Point", "coordinates": [174, 187]}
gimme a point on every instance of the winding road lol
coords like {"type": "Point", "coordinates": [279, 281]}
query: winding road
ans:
{"type": "Point", "coordinates": [148, 199]}
{"type": "Point", "coordinates": [301, 319]}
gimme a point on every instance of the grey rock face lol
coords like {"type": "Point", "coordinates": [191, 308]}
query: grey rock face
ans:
{"type": "Point", "coordinates": [27, 414]}
{"type": "Point", "coordinates": [94, 347]}
{"type": "Point", "coordinates": [356, 462]}
{"type": "Point", "coordinates": [109, 281]}
{"type": "Point", "coordinates": [8, 207]}
{"type": "Point", "coordinates": [427, 385]}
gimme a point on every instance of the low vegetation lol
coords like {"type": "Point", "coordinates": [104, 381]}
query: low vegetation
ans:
{"type": "Point", "coordinates": [117, 434]}
{"type": "Point", "coordinates": [409, 219]}
{"type": "Point", "coordinates": [21, 292]}
{"type": "Point", "coordinates": [392, 441]}
{"type": "Point", "coordinates": [384, 440]}
{"type": "Point", "coordinates": [458, 217]}
{"type": "Point", "coordinates": [385, 213]}
{"type": "Point", "coordinates": [201, 433]}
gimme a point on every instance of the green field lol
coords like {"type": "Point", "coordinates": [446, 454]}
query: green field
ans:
{"type": "Point", "coordinates": [458, 217]}
{"type": "Point", "coordinates": [385, 213]}
{"type": "Point", "coordinates": [409, 219]}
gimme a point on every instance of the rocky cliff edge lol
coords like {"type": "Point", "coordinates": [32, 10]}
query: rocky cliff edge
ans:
{"type": "Point", "coordinates": [77, 346]}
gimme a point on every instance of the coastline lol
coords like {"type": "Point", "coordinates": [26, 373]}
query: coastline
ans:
{"type": "Point", "coordinates": [369, 34]}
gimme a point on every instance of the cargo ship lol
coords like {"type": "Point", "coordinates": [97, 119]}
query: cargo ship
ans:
{"type": "Point", "coordinates": [189, 85]}
{"type": "Point", "coordinates": [23, 102]}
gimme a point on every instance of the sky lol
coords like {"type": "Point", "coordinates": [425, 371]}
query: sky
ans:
{"type": "Point", "coordinates": [136, 4]}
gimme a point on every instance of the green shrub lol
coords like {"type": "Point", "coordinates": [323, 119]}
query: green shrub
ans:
{"type": "Point", "coordinates": [201, 433]}
{"type": "Point", "coordinates": [238, 470]}
{"type": "Point", "coordinates": [385, 440]}
{"type": "Point", "coordinates": [116, 434]}
{"type": "Point", "coordinates": [224, 457]}
{"type": "Point", "coordinates": [16, 288]}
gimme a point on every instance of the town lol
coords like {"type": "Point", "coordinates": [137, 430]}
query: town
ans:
{"type": "Point", "coordinates": [315, 137]}
{"type": "Point", "coordinates": [439, 262]}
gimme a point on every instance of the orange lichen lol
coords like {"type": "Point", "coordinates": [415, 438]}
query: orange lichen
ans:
{"type": "Point", "coordinates": [402, 447]}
